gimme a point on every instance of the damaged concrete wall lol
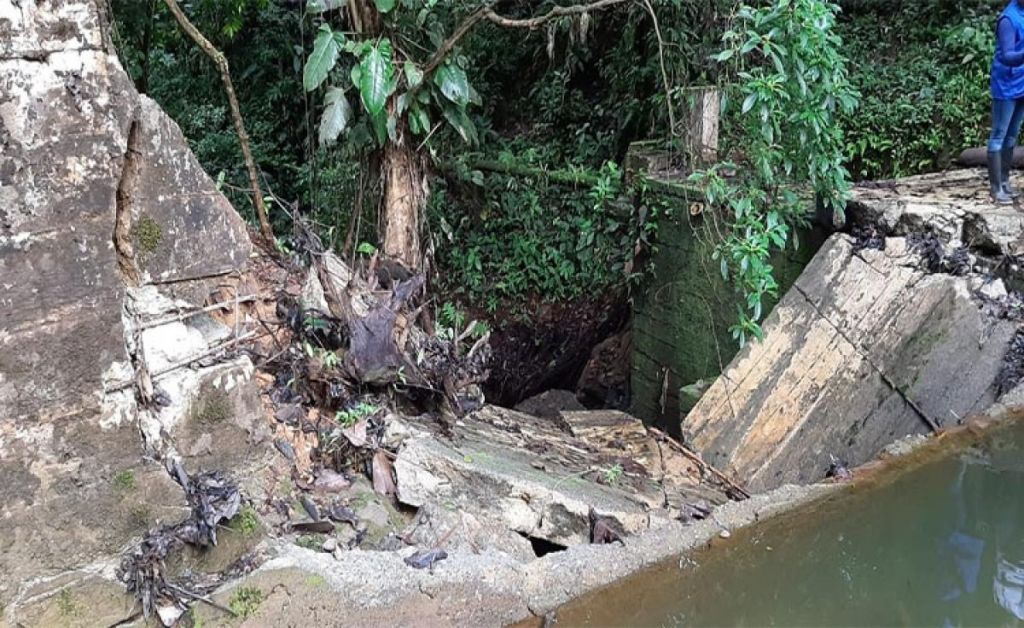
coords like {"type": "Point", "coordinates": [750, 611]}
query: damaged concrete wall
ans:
{"type": "Point", "coordinates": [101, 205]}
{"type": "Point", "coordinates": [682, 314]}
{"type": "Point", "coordinates": [871, 344]}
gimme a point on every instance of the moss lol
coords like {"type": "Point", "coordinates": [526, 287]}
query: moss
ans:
{"type": "Point", "coordinates": [66, 604]}
{"type": "Point", "coordinates": [214, 407]}
{"type": "Point", "coordinates": [124, 481]}
{"type": "Point", "coordinates": [245, 523]}
{"type": "Point", "coordinates": [146, 235]}
{"type": "Point", "coordinates": [138, 517]}
{"type": "Point", "coordinates": [361, 500]}
{"type": "Point", "coordinates": [311, 542]}
{"type": "Point", "coordinates": [245, 601]}
{"type": "Point", "coordinates": [316, 582]}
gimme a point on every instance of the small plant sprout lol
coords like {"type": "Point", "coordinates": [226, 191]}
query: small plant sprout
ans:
{"type": "Point", "coordinates": [348, 418]}
{"type": "Point", "coordinates": [613, 474]}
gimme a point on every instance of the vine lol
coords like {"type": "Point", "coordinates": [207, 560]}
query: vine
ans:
{"type": "Point", "coordinates": [792, 82]}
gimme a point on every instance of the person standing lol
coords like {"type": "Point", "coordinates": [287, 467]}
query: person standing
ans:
{"type": "Point", "coordinates": [1007, 80]}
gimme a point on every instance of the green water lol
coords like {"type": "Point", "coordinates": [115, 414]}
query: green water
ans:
{"type": "Point", "coordinates": [942, 545]}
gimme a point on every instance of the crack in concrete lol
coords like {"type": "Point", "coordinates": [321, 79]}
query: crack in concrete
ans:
{"type": "Point", "coordinates": [930, 422]}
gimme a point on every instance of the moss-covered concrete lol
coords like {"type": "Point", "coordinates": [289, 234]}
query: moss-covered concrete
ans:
{"type": "Point", "coordinates": [682, 314]}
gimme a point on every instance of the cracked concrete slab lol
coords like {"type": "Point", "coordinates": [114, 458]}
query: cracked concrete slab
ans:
{"type": "Point", "coordinates": [866, 348]}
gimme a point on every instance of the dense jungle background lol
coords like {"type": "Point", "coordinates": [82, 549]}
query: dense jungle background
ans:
{"type": "Point", "coordinates": [524, 231]}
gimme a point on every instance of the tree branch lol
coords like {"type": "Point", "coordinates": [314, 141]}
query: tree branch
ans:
{"type": "Point", "coordinates": [236, 112]}
{"type": "Point", "coordinates": [540, 20]}
{"type": "Point", "coordinates": [487, 13]}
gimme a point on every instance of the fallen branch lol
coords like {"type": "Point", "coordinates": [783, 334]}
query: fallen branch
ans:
{"type": "Point", "coordinates": [236, 113]}
{"type": "Point", "coordinates": [700, 461]}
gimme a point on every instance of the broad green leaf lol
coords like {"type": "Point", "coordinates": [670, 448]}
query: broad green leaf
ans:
{"type": "Point", "coordinates": [384, 5]}
{"type": "Point", "coordinates": [321, 60]}
{"type": "Point", "coordinates": [336, 116]}
{"type": "Point", "coordinates": [725, 55]}
{"type": "Point", "coordinates": [461, 123]}
{"type": "Point", "coordinates": [453, 83]}
{"type": "Point", "coordinates": [749, 103]}
{"type": "Point", "coordinates": [379, 121]}
{"type": "Point", "coordinates": [375, 79]}
{"type": "Point", "coordinates": [419, 121]}
{"type": "Point", "coordinates": [413, 74]}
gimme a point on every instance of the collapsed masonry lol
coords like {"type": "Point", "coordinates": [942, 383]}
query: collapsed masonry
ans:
{"type": "Point", "coordinates": [127, 283]}
{"type": "Point", "coordinates": [903, 327]}
{"type": "Point", "coordinates": [111, 239]}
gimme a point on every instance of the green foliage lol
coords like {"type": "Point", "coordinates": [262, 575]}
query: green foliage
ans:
{"type": "Point", "coordinates": [351, 416]}
{"type": "Point", "coordinates": [613, 474]}
{"type": "Point", "coordinates": [245, 601]}
{"type": "Point", "coordinates": [329, 358]}
{"type": "Point", "coordinates": [258, 38]}
{"type": "Point", "coordinates": [312, 542]}
{"type": "Point", "coordinates": [792, 82]}
{"type": "Point", "coordinates": [246, 522]}
{"type": "Point", "coordinates": [146, 234]}
{"type": "Point", "coordinates": [380, 71]}
{"type": "Point", "coordinates": [513, 237]}
{"type": "Point", "coordinates": [67, 606]}
{"type": "Point", "coordinates": [124, 481]}
{"type": "Point", "coordinates": [923, 75]}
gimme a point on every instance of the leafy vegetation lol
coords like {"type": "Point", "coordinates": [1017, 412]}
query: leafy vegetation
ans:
{"type": "Point", "coordinates": [245, 601]}
{"type": "Point", "coordinates": [124, 481]}
{"type": "Point", "coordinates": [792, 81]}
{"type": "Point", "coordinates": [351, 416]}
{"type": "Point", "coordinates": [246, 522]}
{"type": "Point", "coordinates": [540, 210]}
{"type": "Point", "coordinates": [923, 74]}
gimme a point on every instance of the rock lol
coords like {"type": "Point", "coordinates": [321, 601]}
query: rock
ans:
{"type": "Point", "coordinates": [462, 532]}
{"type": "Point", "coordinates": [905, 445]}
{"type": "Point", "coordinates": [607, 462]}
{"type": "Point", "coordinates": [74, 599]}
{"type": "Point", "coordinates": [485, 588]}
{"type": "Point", "coordinates": [104, 212]}
{"type": "Point", "coordinates": [550, 403]}
{"type": "Point", "coordinates": [690, 394]}
{"type": "Point", "coordinates": [605, 378]}
{"type": "Point", "coordinates": [859, 335]}
{"type": "Point", "coordinates": [328, 481]}
{"type": "Point", "coordinates": [330, 545]}
{"type": "Point", "coordinates": [953, 205]}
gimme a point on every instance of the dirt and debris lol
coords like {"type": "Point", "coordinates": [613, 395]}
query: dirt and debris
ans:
{"type": "Point", "coordinates": [1012, 372]}
{"type": "Point", "coordinates": [935, 256]}
{"type": "Point", "coordinates": [212, 500]}
{"type": "Point", "coordinates": [380, 439]}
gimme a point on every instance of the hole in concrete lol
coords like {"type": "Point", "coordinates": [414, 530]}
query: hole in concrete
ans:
{"type": "Point", "coordinates": [542, 547]}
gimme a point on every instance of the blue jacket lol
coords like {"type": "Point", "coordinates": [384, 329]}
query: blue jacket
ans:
{"type": "Point", "coordinates": [1007, 76]}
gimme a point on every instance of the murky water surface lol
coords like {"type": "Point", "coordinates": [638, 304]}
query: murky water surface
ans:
{"type": "Point", "coordinates": [942, 545]}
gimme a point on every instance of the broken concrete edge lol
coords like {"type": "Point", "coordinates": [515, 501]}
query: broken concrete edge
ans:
{"type": "Point", "coordinates": [492, 588]}
{"type": "Point", "coordinates": [489, 588]}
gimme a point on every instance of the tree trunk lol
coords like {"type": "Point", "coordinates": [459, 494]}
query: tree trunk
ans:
{"type": "Point", "coordinates": [405, 196]}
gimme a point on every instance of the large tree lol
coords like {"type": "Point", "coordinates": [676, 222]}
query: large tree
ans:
{"type": "Point", "coordinates": [409, 79]}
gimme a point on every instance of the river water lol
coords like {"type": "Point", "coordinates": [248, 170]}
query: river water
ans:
{"type": "Point", "coordinates": [939, 545]}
